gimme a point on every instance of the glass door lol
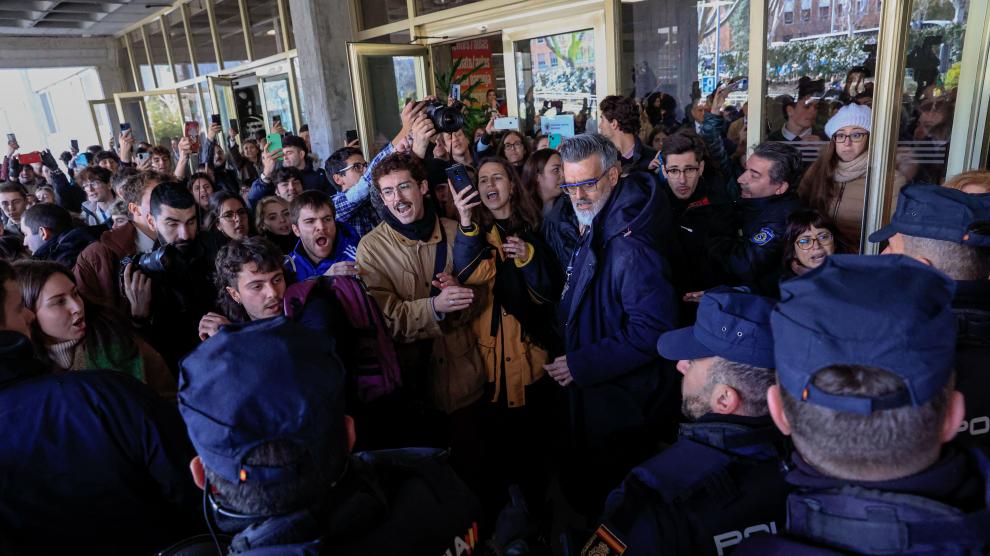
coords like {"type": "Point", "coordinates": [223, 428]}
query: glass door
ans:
{"type": "Point", "coordinates": [105, 121]}
{"type": "Point", "coordinates": [223, 101]}
{"type": "Point", "coordinates": [155, 116]}
{"type": "Point", "coordinates": [556, 73]}
{"type": "Point", "coordinates": [384, 76]}
{"type": "Point", "coordinates": [277, 101]}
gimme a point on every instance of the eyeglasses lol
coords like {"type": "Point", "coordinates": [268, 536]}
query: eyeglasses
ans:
{"type": "Point", "coordinates": [359, 166]}
{"type": "Point", "coordinates": [588, 186]}
{"type": "Point", "coordinates": [931, 106]}
{"type": "Point", "coordinates": [823, 239]}
{"type": "Point", "coordinates": [676, 173]}
{"type": "Point", "coordinates": [855, 137]}
{"type": "Point", "coordinates": [390, 192]}
{"type": "Point", "coordinates": [232, 214]}
{"type": "Point", "coordinates": [512, 146]}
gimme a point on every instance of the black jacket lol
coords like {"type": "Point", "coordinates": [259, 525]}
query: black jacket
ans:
{"type": "Point", "coordinates": [694, 219]}
{"type": "Point", "coordinates": [972, 307]}
{"type": "Point", "coordinates": [640, 159]}
{"type": "Point", "coordinates": [89, 459]}
{"type": "Point", "coordinates": [734, 482]}
{"type": "Point", "coordinates": [750, 245]}
{"type": "Point", "coordinates": [561, 230]}
{"type": "Point", "coordinates": [388, 503]}
{"type": "Point", "coordinates": [66, 247]}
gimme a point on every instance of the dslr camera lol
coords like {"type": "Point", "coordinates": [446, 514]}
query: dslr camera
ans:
{"type": "Point", "coordinates": [446, 119]}
{"type": "Point", "coordinates": [164, 260]}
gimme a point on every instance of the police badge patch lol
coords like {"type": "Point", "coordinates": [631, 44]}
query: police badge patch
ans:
{"type": "Point", "coordinates": [604, 543]}
{"type": "Point", "coordinates": [763, 236]}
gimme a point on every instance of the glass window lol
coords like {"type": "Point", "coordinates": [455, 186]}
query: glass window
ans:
{"type": "Point", "coordinates": [479, 69]}
{"type": "Point", "coordinates": [402, 37]}
{"type": "Point", "coordinates": [265, 32]}
{"type": "Point", "coordinates": [159, 57]}
{"type": "Point", "coordinates": [382, 12]}
{"type": "Point", "coordinates": [673, 58]}
{"type": "Point", "coordinates": [180, 49]}
{"type": "Point", "coordinates": [125, 66]}
{"type": "Point", "coordinates": [228, 18]}
{"type": "Point", "coordinates": [141, 61]}
{"type": "Point", "coordinates": [391, 82]}
{"type": "Point", "coordinates": [277, 100]}
{"type": "Point", "coordinates": [931, 80]}
{"type": "Point", "coordinates": [824, 9]}
{"type": "Point", "coordinates": [564, 86]}
{"type": "Point", "coordinates": [288, 20]}
{"type": "Point", "coordinates": [202, 40]}
{"type": "Point", "coordinates": [430, 6]}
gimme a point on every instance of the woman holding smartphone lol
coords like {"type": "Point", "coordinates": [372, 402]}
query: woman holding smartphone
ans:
{"type": "Point", "coordinates": [498, 245]}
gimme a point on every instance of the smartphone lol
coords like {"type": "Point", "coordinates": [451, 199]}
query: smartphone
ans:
{"type": "Point", "coordinates": [274, 142]}
{"type": "Point", "coordinates": [351, 135]}
{"type": "Point", "coordinates": [141, 157]}
{"type": "Point", "coordinates": [11, 138]}
{"type": "Point", "coordinates": [125, 128]}
{"type": "Point", "coordinates": [82, 160]}
{"type": "Point", "coordinates": [741, 85]}
{"type": "Point", "coordinates": [233, 125]}
{"type": "Point", "coordinates": [192, 132]}
{"type": "Point", "coordinates": [29, 158]}
{"type": "Point", "coordinates": [555, 140]}
{"type": "Point", "coordinates": [458, 176]}
{"type": "Point", "coordinates": [507, 123]}
{"type": "Point", "coordinates": [276, 120]}
{"type": "Point", "coordinates": [215, 119]}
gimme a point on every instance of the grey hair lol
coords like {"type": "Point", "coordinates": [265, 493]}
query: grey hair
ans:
{"type": "Point", "coordinates": [959, 262]}
{"type": "Point", "coordinates": [787, 163]}
{"type": "Point", "coordinates": [584, 146]}
{"type": "Point", "coordinates": [750, 382]}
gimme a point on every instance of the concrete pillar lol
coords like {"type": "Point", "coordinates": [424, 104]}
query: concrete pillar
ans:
{"type": "Point", "coordinates": [321, 31]}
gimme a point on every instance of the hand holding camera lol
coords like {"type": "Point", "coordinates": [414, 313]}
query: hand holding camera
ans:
{"type": "Point", "coordinates": [137, 289]}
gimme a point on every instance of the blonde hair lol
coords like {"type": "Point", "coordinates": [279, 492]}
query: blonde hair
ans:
{"type": "Point", "coordinates": [259, 211]}
{"type": "Point", "coordinates": [976, 178]}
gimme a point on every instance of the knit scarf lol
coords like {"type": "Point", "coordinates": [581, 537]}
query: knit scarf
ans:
{"type": "Point", "coordinates": [420, 230]}
{"type": "Point", "coordinates": [849, 171]}
{"type": "Point", "coordinates": [63, 353]}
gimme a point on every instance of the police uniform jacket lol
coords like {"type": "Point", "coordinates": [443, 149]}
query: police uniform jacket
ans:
{"type": "Point", "coordinates": [750, 247]}
{"type": "Point", "coordinates": [721, 480]}
{"type": "Point", "coordinates": [389, 503]}
{"type": "Point", "coordinates": [89, 460]}
{"type": "Point", "coordinates": [940, 510]}
{"type": "Point", "coordinates": [972, 307]}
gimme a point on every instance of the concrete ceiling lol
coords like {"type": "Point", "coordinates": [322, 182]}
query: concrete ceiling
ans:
{"type": "Point", "coordinates": [73, 18]}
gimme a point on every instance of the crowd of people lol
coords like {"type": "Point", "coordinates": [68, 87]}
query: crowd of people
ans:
{"type": "Point", "coordinates": [648, 340]}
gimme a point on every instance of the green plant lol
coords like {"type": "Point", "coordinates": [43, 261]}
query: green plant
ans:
{"type": "Point", "coordinates": [474, 115]}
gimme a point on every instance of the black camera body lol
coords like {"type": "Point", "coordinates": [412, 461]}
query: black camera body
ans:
{"type": "Point", "coordinates": [446, 119]}
{"type": "Point", "coordinates": [164, 260]}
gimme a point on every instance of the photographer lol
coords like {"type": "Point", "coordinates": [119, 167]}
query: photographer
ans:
{"type": "Point", "coordinates": [180, 275]}
{"type": "Point", "coordinates": [98, 267]}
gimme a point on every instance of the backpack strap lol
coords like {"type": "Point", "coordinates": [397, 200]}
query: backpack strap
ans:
{"type": "Point", "coordinates": [440, 260]}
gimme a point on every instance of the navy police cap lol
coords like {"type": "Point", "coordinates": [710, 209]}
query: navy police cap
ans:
{"type": "Point", "coordinates": [731, 324]}
{"type": "Point", "coordinates": [888, 312]}
{"type": "Point", "coordinates": [259, 382]}
{"type": "Point", "coordinates": [935, 212]}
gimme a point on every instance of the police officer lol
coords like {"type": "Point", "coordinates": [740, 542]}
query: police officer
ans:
{"type": "Point", "coordinates": [749, 246]}
{"type": "Point", "coordinates": [950, 230]}
{"type": "Point", "coordinates": [264, 406]}
{"type": "Point", "coordinates": [864, 351]}
{"type": "Point", "coordinates": [722, 479]}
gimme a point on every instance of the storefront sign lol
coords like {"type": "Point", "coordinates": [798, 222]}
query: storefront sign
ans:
{"type": "Point", "coordinates": [472, 53]}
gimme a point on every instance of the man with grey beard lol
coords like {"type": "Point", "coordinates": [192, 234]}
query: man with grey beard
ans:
{"type": "Point", "coordinates": [616, 302]}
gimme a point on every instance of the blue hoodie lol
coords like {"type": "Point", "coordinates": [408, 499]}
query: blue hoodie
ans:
{"type": "Point", "coordinates": [298, 267]}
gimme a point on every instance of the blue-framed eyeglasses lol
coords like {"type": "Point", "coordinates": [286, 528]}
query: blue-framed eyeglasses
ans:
{"type": "Point", "coordinates": [588, 186]}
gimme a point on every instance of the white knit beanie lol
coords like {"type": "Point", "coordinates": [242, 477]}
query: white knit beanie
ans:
{"type": "Point", "coordinates": [852, 114]}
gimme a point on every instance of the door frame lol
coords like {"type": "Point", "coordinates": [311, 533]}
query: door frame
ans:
{"type": "Point", "coordinates": [119, 98]}
{"type": "Point", "coordinates": [96, 121]}
{"type": "Point", "coordinates": [359, 78]}
{"type": "Point", "coordinates": [594, 20]}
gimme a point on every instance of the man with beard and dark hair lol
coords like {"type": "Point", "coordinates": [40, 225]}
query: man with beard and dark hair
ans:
{"type": "Point", "coordinates": [181, 278]}
{"type": "Point", "coordinates": [733, 481]}
{"type": "Point", "coordinates": [616, 302]}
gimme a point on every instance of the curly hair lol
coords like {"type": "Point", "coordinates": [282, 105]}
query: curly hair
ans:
{"type": "Point", "coordinates": [622, 110]}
